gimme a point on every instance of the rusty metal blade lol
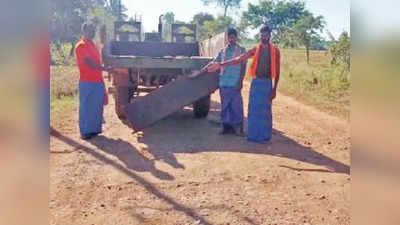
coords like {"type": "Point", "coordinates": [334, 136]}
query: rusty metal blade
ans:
{"type": "Point", "coordinates": [147, 110]}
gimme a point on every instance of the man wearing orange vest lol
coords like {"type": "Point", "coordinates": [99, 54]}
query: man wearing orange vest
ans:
{"type": "Point", "coordinates": [264, 67]}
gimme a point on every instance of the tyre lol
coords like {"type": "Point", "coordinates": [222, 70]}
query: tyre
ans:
{"type": "Point", "coordinates": [122, 97]}
{"type": "Point", "coordinates": [202, 107]}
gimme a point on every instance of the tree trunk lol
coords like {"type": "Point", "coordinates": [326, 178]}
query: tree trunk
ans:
{"type": "Point", "coordinates": [225, 10]}
{"type": "Point", "coordinates": [308, 54]}
{"type": "Point", "coordinates": [72, 51]}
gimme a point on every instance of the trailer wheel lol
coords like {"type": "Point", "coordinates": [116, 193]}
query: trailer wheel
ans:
{"type": "Point", "coordinates": [122, 98]}
{"type": "Point", "coordinates": [202, 107]}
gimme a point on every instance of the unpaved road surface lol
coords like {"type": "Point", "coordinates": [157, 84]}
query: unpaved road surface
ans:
{"type": "Point", "coordinates": [180, 171]}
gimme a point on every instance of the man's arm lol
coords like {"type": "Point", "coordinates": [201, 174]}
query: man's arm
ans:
{"type": "Point", "coordinates": [95, 66]}
{"type": "Point", "coordinates": [206, 67]}
{"type": "Point", "coordinates": [240, 58]}
{"type": "Point", "coordinates": [82, 55]}
{"type": "Point", "coordinates": [242, 74]}
{"type": "Point", "coordinates": [210, 67]}
{"type": "Point", "coordinates": [276, 79]}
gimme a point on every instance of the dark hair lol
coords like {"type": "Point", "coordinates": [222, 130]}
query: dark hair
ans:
{"type": "Point", "coordinates": [86, 25]}
{"type": "Point", "coordinates": [265, 28]}
{"type": "Point", "coordinates": [232, 31]}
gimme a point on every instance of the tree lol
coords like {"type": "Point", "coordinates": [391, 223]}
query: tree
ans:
{"type": "Point", "coordinates": [167, 20]}
{"type": "Point", "coordinates": [319, 43]}
{"type": "Point", "coordinates": [65, 23]}
{"type": "Point", "coordinates": [66, 18]}
{"type": "Point", "coordinates": [169, 17]}
{"type": "Point", "coordinates": [199, 19]}
{"type": "Point", "coordinates": [221, 24]}
{"type": "Point", "coordinates": [287, 39]}
{"type": "Point", "coordinates": [306, 29]}
{"type": "Point", "coordinates": [291, 24]}
{"type": "Point", "coordinates": [340, 49]}
{"type": "Point", "coordinates": [277, 14]}
{"type": "Point", "coordinates": [225, 4]}
{"type": "Point", "coordinates": [117, 9]}
{"type": "Point", "coordinates": [242, 28]}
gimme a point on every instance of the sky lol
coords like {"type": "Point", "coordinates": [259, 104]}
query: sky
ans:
{"type": "Point", "coordinates": [376, 18]}
{"type": "Point", "coordinates": [335, 12]}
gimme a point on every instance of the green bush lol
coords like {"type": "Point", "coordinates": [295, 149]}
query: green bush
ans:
{"type": "Point", "coordinates": [61, 54]}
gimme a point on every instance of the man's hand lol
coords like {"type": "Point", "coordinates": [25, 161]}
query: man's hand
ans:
{"type": "Point", "coordinates": [108, 68]}
{"type": "Point", "coordinates": [273, 94]}
{"type": "Point", "coordinates": [240, 86]}
{"type": "Point", "coordinates": [195, 73]}
{"type": "Point", "coordinates": [105, 98]}
{"type": "Point", "coordinates": [213, 67]}
{"type": "Point", "coordinates": [209, 68]}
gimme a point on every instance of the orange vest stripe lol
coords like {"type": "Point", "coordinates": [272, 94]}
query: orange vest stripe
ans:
{"type": "Point", "coordinates": [274, 61]}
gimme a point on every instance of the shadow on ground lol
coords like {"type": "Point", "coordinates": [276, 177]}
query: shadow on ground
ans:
{"type": "Point", "coordinates": [181, 133]}
{"type": "Point", "coordinates": [137, 178]}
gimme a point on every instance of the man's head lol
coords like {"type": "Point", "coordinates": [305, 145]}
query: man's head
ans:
{"type": "Point", "coordinates": [232, 36]}
{"type": "Point", "coordinates": [88, 30]}
{"type": "Point", "coordinates": [265, 34]}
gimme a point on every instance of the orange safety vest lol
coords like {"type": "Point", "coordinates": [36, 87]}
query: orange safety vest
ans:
{"type": "Point", "coordinates": [275, 61]}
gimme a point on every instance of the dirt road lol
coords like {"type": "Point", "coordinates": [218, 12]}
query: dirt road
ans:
{"type": "Point", "coordinates": [181, 172]}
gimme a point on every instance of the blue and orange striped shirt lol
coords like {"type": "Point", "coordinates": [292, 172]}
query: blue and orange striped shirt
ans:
{"type": "Point", "coordinates": [230, 75]}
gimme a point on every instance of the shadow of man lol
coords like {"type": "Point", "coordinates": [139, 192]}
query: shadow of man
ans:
{"type": "Point", "coordinates": [169, 137]}
{"type": "Point", "coordinates": [147, 185]}
{"type": "Point", "coordinates": [129, 155]}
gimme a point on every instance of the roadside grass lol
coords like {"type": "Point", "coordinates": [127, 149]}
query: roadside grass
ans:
{"type": "Point", "coordinates": [63, 91]}
{"type": "Point", "coordinates": [318, 84]}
